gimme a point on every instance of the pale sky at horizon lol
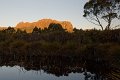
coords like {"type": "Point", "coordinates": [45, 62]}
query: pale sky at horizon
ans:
{"type": "Point", "coordinates": [15, 11]}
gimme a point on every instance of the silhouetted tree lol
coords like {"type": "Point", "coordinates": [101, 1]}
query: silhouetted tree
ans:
{"type": "Point", "coordinates": [101, 11]}
{"type": "Point", "coordinates": [10, 30]}
{"type": "Point", "coordinates": [55, 27]}
{"type": "Point", "coordinates": [35, 30]}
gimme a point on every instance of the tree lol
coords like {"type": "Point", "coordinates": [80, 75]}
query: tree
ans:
{"type": "Point", "coordinates": [10, 30]}
{"type": "Point", "coordinates": [55, 27]}
{"type": "Point", "coordinates": [37, 30]}
{"type": "Point", "coordinates": [19, 31]}
{"type": "Point", "coordinates": [101, 12]}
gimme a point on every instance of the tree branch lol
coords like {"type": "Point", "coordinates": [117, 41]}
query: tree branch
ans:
{"type": "Point", "coordinates": [92, 22]}
{"type": "Point", "coordinates": [99, 22]}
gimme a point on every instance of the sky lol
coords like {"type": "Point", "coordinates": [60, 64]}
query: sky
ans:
{"type": "Point", "coordinates": [15, 11]}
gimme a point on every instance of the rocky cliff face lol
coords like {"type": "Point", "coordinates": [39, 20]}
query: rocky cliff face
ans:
{"type": "Point", "coordinates": [44, 23]}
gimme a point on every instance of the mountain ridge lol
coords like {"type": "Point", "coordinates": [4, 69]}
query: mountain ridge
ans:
{"type": "Point", "coordinates": [44, 23]}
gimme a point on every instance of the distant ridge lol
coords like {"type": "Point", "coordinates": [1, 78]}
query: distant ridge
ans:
{"type": "Point", "coordinates": [2, 28]}
{"type": "Point", "coordinates": [43, 23]}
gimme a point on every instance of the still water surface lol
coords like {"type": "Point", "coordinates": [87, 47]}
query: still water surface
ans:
{"type": "Point", "coordinates": [51, 68]}
{"type": "Point", "coordinates": [19, 73]}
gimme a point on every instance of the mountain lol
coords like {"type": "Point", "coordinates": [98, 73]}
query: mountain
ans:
{"type": "Point", "coordinates": [43, 23]}
{"type": "Point", "coordinates": [2, 28]}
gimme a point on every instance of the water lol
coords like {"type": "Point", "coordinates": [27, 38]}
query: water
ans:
{"type": "Point", "coordinates": [19, 73]}
{"type": "Point", "coordinates": [50, 68]}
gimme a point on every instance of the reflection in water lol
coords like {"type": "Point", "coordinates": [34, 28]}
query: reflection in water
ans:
{"type": "Point", "coordinates": [50, 68]}
{"type": "Point", "coordinates": [17, 73]}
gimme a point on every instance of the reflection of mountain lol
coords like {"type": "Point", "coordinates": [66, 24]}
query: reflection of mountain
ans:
{"type": "Point", "coordinates": [44, 23]}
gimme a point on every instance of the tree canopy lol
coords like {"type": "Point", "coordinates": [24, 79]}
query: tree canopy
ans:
{"type": "Point", "coordinates": [101, 12]}
{"type": "Point", "coordinates": [55, 27]}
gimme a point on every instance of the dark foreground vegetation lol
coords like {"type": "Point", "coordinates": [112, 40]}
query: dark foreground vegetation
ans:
{"type": "Point", "coordinates": [93, 47]}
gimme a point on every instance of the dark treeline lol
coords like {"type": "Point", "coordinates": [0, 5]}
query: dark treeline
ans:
{"type": "Point", "coordinates": [88, 45]}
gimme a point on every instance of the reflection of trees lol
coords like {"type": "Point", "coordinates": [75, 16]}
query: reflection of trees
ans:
{"type": "Point", "coordinates": [56, 65]}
